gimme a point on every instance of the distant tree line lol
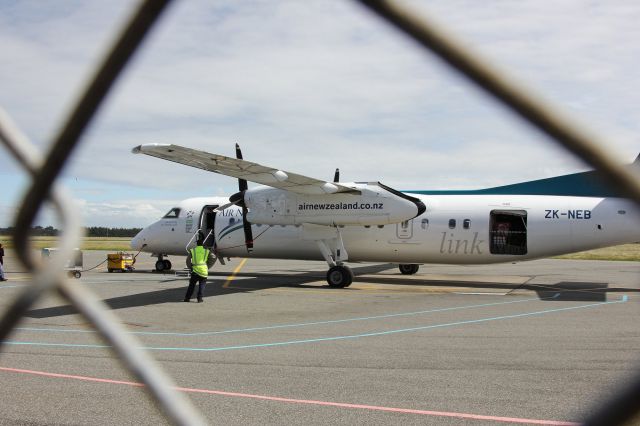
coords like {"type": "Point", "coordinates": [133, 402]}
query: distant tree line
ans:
{"type": "Point", "coordinates": [100, 231]}
{"type": "Point", "coordinates": [91, 231]}
{"type": "Point", "coordinates": [36, 231]}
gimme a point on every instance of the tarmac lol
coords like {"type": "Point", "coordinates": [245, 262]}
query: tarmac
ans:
{"type": "Point", "coordinates": [540, 342]}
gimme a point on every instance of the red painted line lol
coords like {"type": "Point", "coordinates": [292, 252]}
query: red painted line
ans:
{"type": "Point", "coordinates": [305, 401]}
{"type": "Point", "coordinates": [69, 376]}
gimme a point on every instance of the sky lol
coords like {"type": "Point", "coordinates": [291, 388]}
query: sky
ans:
{"type": "Point", "coordinates": [308, 86]}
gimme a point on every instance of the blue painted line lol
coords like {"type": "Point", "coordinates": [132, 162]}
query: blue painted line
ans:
{"type": "Point", "coordinates": [334, 338]}
{"type": "Point", "coordinates": [11, 286]}
{"type": "Point", "coordinates": [304, 324]}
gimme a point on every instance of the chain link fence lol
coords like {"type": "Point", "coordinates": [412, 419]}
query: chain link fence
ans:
{"type": "Point", "coordinates": [44, 169]}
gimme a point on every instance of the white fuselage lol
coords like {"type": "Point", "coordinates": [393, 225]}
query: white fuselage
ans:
{"type": "Point", "coordinates": [454, 229]}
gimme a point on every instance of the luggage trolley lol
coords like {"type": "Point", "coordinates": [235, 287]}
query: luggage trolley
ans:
{"type": "Point", "coordinates": [73, 266]}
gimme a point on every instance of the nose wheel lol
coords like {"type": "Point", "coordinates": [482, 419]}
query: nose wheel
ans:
{"type": "Point", "coordinates": [339, 276]}
{"type": "Point", "coordinates": [163, 265]}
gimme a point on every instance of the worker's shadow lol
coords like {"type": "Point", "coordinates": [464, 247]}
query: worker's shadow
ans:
{"type": "Point", "coordinates": [244, 283]}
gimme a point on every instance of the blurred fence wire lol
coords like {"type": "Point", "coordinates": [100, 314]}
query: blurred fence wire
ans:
{"type": "Point", "coordinates": [45, 169]}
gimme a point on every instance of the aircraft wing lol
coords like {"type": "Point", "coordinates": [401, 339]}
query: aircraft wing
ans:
{"type": "Point", "coordinates": [243, 169]}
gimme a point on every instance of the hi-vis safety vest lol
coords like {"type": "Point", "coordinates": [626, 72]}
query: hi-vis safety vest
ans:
{"type": "Point", "coordinates": [199, 256]}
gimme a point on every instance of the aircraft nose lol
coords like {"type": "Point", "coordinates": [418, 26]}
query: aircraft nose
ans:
{"type": "Point", "coordinates": [139, 241]}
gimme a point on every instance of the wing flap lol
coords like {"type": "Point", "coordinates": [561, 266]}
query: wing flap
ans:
{"type": "Point", "coordinates": [243, 169]}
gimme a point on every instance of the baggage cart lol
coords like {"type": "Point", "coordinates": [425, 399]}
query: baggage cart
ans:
{"type": "Point", "coordinates": [73, 266]}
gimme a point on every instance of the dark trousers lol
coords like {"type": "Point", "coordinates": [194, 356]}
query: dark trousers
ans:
{"type": "Point", "coordinates": [195, 278]}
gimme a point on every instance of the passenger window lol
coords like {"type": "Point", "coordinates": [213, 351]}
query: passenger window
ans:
{"type": "Point", "coordinates": [231, 221]}
{"type": "Point", "coordinates": [466, 224]}
{"type": "Point", "coordinates": [173, 213]}
{"type": "Point", "coordinates": [452, 223]}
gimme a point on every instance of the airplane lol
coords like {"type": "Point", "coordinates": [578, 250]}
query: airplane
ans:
{"type": "Point", "coordinates": [291, 216]}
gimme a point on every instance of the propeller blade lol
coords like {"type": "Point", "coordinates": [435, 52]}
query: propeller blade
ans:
{"type": "Point", "coordinates": [224, 206]}
{"type": "Point", "coordinates": [248, 234]}
{"type": "Point", "coordinates": [242, 183]}
{"type": "Point", "coordinates": [336, 176]}
{"type": "Point", "coordinates": [238, 198]}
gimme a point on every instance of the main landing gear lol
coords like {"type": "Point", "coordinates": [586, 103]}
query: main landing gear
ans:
{"type": "Point", "coordinates": [339, 276]}
{"type": "Point", "coordinates": [329, 241]}
{"type": "Point", "coordinates": [163, 264]}
{"type": "Point", "coordinates": [408, 269]}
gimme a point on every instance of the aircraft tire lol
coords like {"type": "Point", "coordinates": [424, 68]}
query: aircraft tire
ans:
{"type": "Point", "coordinates": [408, 268]}
{"type": "Point", "coordinates": [160, 265]}
{"type": "Point", "coordinates": [167, 265]}
{"type": "Point", "coordinates": [339, 277]}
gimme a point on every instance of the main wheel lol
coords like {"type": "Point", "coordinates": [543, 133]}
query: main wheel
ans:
{"type": "Point", "coordinates": [160, 265]}
{"type": "Point", "coordinates": [167, 265]}
{"type": "Point", "coordinates": [339, 276]}
{"type": "Point", "coordinates": [77, 274]}
{"type": "Point", "coordinates": [408, 269]}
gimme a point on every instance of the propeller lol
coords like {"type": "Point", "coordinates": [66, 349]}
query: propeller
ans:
{"type": "Point", "coordinates": [238, 199]}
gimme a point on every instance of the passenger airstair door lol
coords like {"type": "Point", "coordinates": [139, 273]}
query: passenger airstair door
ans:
{"type": "Point", "coordinates": [207, 225]}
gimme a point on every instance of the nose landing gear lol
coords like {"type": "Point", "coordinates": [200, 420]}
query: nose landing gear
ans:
{"type": "Point", "coordinates": [163, 264]}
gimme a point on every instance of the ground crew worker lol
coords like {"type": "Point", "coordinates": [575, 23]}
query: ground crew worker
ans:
{"type": "Point", "coordinates": [2, 278]}
{"type": "Point", "coordinates": [199, 269]}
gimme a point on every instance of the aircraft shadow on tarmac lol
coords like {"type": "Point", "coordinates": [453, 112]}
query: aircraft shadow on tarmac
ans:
{"type": "Point", "coordinates": [576, 291]}
{"type": "Point", "coordinates": [250, 282]}
{"type": "Point", "coordinates": [562, 291]}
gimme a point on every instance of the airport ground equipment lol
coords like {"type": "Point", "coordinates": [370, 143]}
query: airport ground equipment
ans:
{"type": "Point", "coordinates": [120, 261]}
{"type": "Point", "coordinates": [73, 266]}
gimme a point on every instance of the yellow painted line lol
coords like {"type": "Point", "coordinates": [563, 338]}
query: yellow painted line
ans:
{"type": "Point", "coordinates": [234, 273]}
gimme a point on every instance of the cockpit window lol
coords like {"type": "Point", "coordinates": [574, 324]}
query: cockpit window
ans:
{"type": "Point", "coordinates": [173, 213]}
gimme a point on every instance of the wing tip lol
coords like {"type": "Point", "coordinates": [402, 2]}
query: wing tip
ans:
{"type": "Point", "coordinates": [141, 148]}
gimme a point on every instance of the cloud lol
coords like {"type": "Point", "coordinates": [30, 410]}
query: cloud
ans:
{"type": "Point", "coordinates": [124, 213]}
{"type": "Point", "coordinates": [312, 86]}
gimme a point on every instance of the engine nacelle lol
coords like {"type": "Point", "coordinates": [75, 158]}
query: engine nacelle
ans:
{"type": "Point", "coordinates": [376, 204]}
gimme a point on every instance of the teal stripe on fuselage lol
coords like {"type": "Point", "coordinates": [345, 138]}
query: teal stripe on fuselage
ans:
{"type": "Point", "coordinates": [229, 229]}
{"type": "Point", "coordinates": [585, 184]}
